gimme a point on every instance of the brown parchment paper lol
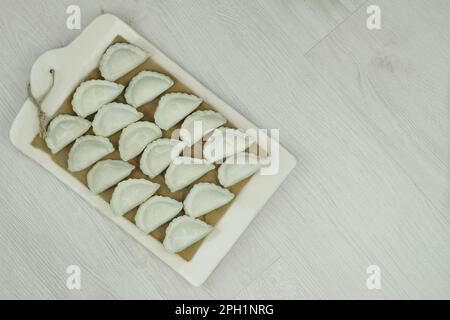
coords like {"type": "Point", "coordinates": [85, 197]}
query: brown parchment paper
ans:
{"type": "Point", "coordinates": [148, 109]}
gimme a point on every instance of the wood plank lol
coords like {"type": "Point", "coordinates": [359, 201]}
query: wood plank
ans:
{"type": "Point", "coordinates": [396, 82]}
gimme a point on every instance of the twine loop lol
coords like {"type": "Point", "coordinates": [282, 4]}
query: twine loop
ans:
{"type": "Point", "coordinates": [43, 121]}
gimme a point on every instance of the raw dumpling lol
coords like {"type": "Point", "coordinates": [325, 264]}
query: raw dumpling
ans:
{"type": "Point", "coordinates": [136, 137]}
{"type": "Point", "coordinates": [183, 232]}
{"type": "Point", "coordinates": [114, 117]}
{"type": "Point", "coordinates": [225, 142]}
{"type": "Point", "coordinates": [237, 168]}
{"type": "Point", "coordinates": [86, 151]}
{"type": "Point", "coordinates": [119, 59]}
{"type": "Point", "coordinates": [199, 124]}
{"type": "Point", "coordinates": [185, 170]}
{"type": "Point", "coordinates": [63, 130]}
{"type": "Point", "coordinates": [145, 87]}
{"type": "Point", "coordinates": [156, 211]}
{"type": "Point", "coordinates": [159, 154]}
{"type": "Point", "coordinates": [107, 173]}
{"type": "Point", "coordinates": [93, 94]}
{"type": "Point", "coordinates": [204, 198]}
{"type": "Point", "coordinates": [130, 193]}
{"type": "Point", "coordinates": [174, 107]}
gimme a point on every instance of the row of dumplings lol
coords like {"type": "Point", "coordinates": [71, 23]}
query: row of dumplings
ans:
{"type": "Point", "coordinates": [96, 96]}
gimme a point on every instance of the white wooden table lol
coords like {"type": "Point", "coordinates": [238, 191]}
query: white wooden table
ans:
{"type": "Point", "coordinates": [366, 113]}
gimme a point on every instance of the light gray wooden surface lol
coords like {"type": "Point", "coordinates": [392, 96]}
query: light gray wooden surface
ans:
{"type": "Point", "coordinates": [365, 112]}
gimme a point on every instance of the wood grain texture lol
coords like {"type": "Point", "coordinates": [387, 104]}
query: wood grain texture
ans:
{"type": "Point", "coordinates": [365, 113]}
{"type": "Point", "coordinates": [397, 83]}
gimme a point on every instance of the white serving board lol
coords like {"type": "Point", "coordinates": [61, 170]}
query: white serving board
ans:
{"type": "Point", "coordinates": [72, 63]}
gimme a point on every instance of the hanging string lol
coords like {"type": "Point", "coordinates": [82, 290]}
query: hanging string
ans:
{"type": "Point", "coordinates": [37, 102]}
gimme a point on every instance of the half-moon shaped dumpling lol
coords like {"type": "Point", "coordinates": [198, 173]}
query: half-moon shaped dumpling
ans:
{"type": "Point", "coordinates": [145, 87]}
{"type": "Point", "coordinates": [237, 168]}
{"type": "Point", "coordinates": [119, 59]}
{"type": "Point", "coordinates": [199, 124]}
{"type": "Point", "coordinates": [204, 198]}
{"type": "Point", "coordinates": [136, 137]}
{"type": "Point", "coordinates": [107, 173]}
{"type": "Point", "coordinates": [93, 94]}
{"type": "Point", "coordinates": [130, 193]}
{"type": "Point", "coordinates": [225, 142]}
{"type": "Point", "coordinates": [174, 107]}
{"type": "Point", "coordinates": [63, 130]}
{"type": "Point", "coordinates": [86, 151]}
{"type": "Point", "coordinates": [183, 232]}
{"type": "Point", "coordinates": [156, 211]}
{"type": "Point", "coordinates": [159, 154]}
{"type": "Point", "coordinates": [114, 117]}
{"type": "Point", "coordinates": [185, 170]}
